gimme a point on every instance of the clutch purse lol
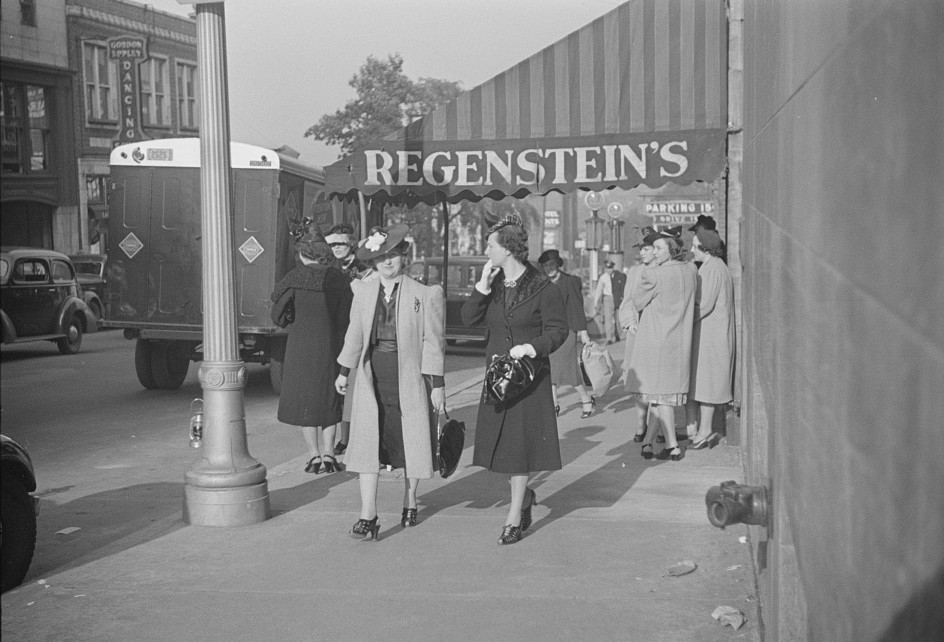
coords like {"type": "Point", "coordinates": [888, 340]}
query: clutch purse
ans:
{"type": "Point", "coordinates": [508, 378]}
{"type": "Point", "coordinates": [449, 449]}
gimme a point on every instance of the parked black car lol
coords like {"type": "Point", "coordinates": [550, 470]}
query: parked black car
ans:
{"type": "Point", "coordinates": [18, 510]}
{"type": "Point", "coordinates": [40, 299]}
{"type": "Point", "coordinates": [464, 271]}
{"type": "Point", "coordinates": [90, 271]}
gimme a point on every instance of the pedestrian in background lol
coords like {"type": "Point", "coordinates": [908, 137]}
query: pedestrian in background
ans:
{"type": "Point", "coordinates": [629, 321]}
{"type": "Point", "coordinates": [525, 316]}
{"type": "Point", "coordinates": [712, 341]}
{"type": "Point", "coordinates": [565, 368]}
{"type": "Point", "coordinates": [395, 339]}
{"type": "Point", "coordinates": [661, 359]}
{"type": "Point", "coordinates": [708, 223]}
{"type": "Point", "coordinates": [343, 242]}
{"type": "Point", "coordinates": [609, 285]}
{"type": "Point", "coordinates": [313, 301]}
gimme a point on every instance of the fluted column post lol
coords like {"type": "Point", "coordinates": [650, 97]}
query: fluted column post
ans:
{"type": "Point", "coordinates": [226, 487]}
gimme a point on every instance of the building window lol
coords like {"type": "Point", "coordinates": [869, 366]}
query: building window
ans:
{"type": "Point", "coordinates": [155, 82]}
{"type": "Point", "coordinates": [26, 132]}
{"type": "Point", "coordinates": [187, 95]}
{"type": "Point", "coordinates": [28, 13]}
{"type": "Point", "coordinates": [101, 83]}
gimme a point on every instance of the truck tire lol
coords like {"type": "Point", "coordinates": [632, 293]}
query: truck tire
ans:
{"type": "Point", "coordinates": [71, 343]}
{"type": "Point", "coordinates": [170, 361]}
{"type": "Point", "coordinates": [18, 521]}
{"type": "Point", "coordinates": [143, 352]}
{"type": "Point", "coordinates": [275, 375]}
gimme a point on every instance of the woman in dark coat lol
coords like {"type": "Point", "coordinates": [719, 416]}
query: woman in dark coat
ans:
{"type": "Point", "coordinates": [565, 369]}
{"type": "Point", "coordinates": [314, 302]}
{"type": "Point", "coordinates": [525, 316]}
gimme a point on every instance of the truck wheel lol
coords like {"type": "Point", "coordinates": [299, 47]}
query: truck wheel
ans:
{"type": "Point", "coordinates": [143, 352]}
{"type": "Point", "coordinates": [275, 375]}
{"type": "Point", "coordinates": [71, 343]}
{"type": "Point", "coordinates": [18, 521]}
{"type": "Point", "coordinates": [169, 364]}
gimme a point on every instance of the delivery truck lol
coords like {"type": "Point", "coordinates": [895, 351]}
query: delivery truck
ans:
{"type": "Point", "coordinates": [154, 286]}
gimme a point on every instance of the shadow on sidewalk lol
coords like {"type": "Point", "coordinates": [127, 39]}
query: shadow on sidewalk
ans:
{"type": "Point", "coordinates": [285, 500]}
{"type": "Point", "coordinates": [109, 522]}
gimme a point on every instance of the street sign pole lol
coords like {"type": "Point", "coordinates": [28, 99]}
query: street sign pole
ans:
{"type": "Point", "coordinates": [226, 487]}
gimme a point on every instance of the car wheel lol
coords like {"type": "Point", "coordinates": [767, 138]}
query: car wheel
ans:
{"type": "Point", "coordinates": [143, 351]}
{"type": "Point", "coordinates": [17, 530]}
{"type": "Point", "coordinates": [71, 343]}
{"type": "Point", "coordinates": [275, 375]}
{"type": "Point", "coordinates": [169, 364]}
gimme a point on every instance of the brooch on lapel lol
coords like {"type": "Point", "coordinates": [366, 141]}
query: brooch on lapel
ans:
{"type": "Point", "coordinates": [416, 304]}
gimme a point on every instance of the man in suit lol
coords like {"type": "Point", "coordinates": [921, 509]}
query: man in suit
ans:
{"type": "Point", "coordinates": [605, 303]}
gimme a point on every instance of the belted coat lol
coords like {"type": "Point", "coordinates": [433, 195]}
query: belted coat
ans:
{"type": "Point", "coordinates": [713, 336]}
{"type": "Point", "coordinates": [521, 436]}
{"type": "Point", "coordinates": [420, 351]}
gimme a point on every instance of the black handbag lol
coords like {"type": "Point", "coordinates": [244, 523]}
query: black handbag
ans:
{"type": "Point", "coordinates": [449, 448]}
{"type": "Point", "coordinates": [508, 378]}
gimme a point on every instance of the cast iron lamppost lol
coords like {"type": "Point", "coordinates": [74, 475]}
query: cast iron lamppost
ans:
{"type": "Point", "coordinates": [614, 210]}
{"type": "Point", "coordinates": [595, 230]}
{"type": "Point", "coordinates": [226, 487]}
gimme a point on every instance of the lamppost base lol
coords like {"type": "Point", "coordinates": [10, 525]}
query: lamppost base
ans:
{"type": "Point", "coordinates": [238, 506]}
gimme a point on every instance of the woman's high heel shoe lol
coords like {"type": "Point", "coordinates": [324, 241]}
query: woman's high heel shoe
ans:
{"type": "Point", "coordinates": [638, 437]}
{"type": "Point", "coordinates": [526, 512]}
{"type": "Point", "coordinates": [646, 451]}
{"type": "Point", "coordinates": [331, 464]}
{"type": "Point", "coordinates": [510, 535]}
{"type": "Point", "coordinates": [340, 447]}
{"type": "Point", "coordinates": [588, 407]}
{"type": "Point", "coordinates": [557, 410]}
{"type": "Point", "coordinates": [408, 518]}
{"type": "Point", "coordinates": [367, 530]}
{"type": "Point", "coordinates": [313, 466]}
{"type": "Point", "coordinates": [674, 454]}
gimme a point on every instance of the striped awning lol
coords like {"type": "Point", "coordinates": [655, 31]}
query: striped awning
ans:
{"type": "Point", "coordinates": [638, 96]}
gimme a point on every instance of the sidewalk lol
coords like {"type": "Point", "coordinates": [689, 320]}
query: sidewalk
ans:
{"type": "Point", "coordinates": [594, 566]}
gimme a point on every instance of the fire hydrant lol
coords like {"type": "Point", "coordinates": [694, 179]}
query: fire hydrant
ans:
{"type": "Point", "coordinates": [733, 503]}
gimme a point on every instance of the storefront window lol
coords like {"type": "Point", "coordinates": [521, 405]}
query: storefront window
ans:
{"type": "Point", "coordinates": [155, 81]}
{"type": "Point", "coordinates": [101, 83]}
{"type": "Point", "coordinates": [26, 128]}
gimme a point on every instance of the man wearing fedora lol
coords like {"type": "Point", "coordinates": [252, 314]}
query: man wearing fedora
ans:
{"type": "Point", "coordinates": [607, 298]}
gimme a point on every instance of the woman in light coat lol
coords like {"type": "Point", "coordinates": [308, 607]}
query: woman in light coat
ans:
{"type": "Point", "coordinates": [629, 321]}
{"type": "Point", "coordinates": [661, 359]}
{"type": "Point", "coordinates": [395, 339]}
{"type": "Point", "coordinates": [712, 340]}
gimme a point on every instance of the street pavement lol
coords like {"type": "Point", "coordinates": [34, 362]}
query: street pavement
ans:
{"type": "Point", "coordinates": [595, 564]}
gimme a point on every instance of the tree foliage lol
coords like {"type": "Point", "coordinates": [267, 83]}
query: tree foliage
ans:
{"type": "Point", "coordinates": [386, 101]}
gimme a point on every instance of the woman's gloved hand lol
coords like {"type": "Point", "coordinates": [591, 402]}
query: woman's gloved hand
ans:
{"type": "Point", "coordinates": [522, 350]}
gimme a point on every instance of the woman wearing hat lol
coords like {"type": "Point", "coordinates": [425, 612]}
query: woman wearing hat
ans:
{"type": "Point", "coordinates": [313, 301]}
{"type": "Point", "coordinates": [525, 316]}
{"type": "Point", "coordinates": [395, 339]}
{"type": "Point", "coordinates": [342, 241]}
{"type": "Point", "coordinates": [629, 321]}
{"type": "Point", "coordinates": [712, 339]}
{"type": "Point", "coordinates": [659, 367]}
{"type": "Point", "coordinates": [565, 369]}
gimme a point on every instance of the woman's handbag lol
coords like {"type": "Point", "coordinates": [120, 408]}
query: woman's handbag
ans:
{"type": "Point", "coordinates": [508, 378]}
{"type": "Point", "coordinates": [597, 368]}
{"type": "Point", "coordinates": [449, 448]}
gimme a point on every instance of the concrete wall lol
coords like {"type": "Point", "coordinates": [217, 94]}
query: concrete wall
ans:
{"type": "Point", "coordinates": [842, 247]}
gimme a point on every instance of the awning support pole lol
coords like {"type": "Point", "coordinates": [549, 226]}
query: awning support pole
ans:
{"type": "Point", "coordinates": [445, 263]}
{"type": "Point", "coordinates": [360, 200]}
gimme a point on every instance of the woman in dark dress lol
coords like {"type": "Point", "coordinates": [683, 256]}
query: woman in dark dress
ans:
{"type": "Point", "coordinates": [395, 340]}
{"type": "Point", "coordinates": [314, 302]}
{"type": "Point", "coordinates": [565, 367]}
{"type": "Point", "coordinates": [526, 317]}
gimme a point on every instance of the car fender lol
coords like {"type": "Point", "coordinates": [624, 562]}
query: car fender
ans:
{"type": "Point", "coordinates": [70, 308]}
{"type": "Point", "coordinates": [9, 332]}
{"type": "Point", "coordinates": [16, 461]}
{"type": "Point", "coordinates": [91, 298]}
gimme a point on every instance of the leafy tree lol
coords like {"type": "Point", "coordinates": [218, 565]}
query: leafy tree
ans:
{"type": "Point", "coordinates": [386, 101]}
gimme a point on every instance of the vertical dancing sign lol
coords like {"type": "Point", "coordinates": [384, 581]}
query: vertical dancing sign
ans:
{"type": "Point", "coordinates": [128, 51]}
